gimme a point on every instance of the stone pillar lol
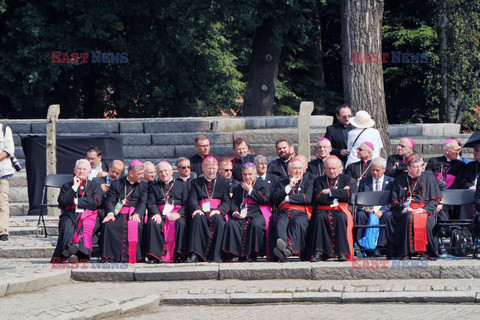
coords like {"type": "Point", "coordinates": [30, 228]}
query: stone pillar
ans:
{"type": "Point", "coordinates": [51, 149]}
{"type": "Point", "coordinates": [306, 108]}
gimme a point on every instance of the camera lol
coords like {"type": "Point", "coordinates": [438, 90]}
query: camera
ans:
{"type": "Point", "coordinates": [16, 164]}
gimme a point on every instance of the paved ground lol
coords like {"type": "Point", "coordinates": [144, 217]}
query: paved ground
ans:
{"type": "Point", "coordinates": [315, 311]}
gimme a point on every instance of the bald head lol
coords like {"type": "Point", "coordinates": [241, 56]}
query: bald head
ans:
{"type": "Point", "coordinates": [405, 147]}
{"type": "Point", "coordinates": [333, 167]}
{"type": "Point", "coordinates": [303, 159]}
{"type": "Point", "coordinates": [115, 169]}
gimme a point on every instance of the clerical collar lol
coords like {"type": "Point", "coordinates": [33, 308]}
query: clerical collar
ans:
{"type": "Point", "coordinates": [209, 180]}
{"type": "Point", "coordinates": [448, 160]}
{"type": "Point", "coordinates": [169, 181]}
{"type": "Point", "coordinates": [286, 161]}
{"type": "Point", "coordinates": [129, 180]}
{"type": "Point", "coordinates": [263, 176]}
{"type": "Point", "coordinates": [323, 159]}
{"type": "Point", "coordinates": [413, 177]}
{"type": "Point", "coordinates": [185, 178]}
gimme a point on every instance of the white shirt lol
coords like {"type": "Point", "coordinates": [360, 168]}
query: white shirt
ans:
{"type": "Point", "coordinates": [95, 172]}
{"type": "Point", "coordinates": [263, 176]}
{"type": "Point", "coordinates": [369, 135]}
{"type": "Point", "coordinates": [380, 183]}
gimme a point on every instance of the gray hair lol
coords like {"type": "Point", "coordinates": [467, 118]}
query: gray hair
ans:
{"type": "Point", "coordinates": [148, 163]}
{"type": "Point", "coordinates": [83, 161]}
{"type": "Point", "coordinates": [379, 160]}
{"type": "Point", "coordinates": [181, 159]}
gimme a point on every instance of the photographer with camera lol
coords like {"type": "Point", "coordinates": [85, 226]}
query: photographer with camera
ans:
{"type": "Point", "coordinates": [7, 150]}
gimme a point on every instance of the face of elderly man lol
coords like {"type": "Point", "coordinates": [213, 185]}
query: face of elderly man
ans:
{"type": "Point", "coordinates": [184, 168]}
{"type": "Point", "coordinates": [377, 171]}
{"type": "Point", "coordinates": [115, 169]}
{"type": "Point", "coordinates": [323, 148]}
{"type": "Point", "coordinates": [149, 174]}
{"type": "Point", "coordinates": [82, 171]}
{"type": "Point", "coordinates": [296, 169]}
{"type": "Point", "coordinates": [226, 169]}
{"type": "Point", "coordinates": [404, 148]}
{"type": "Point", "coordinates": [364, 152]}
{"type": "Point", "coordinates": [452, 150]}
{"type": "Point", "coordinates": [249, 174]}
{"type": "Point", "coordinates": [415, 169]}
{"type": "Point", "coordinates": [165, 172]}
{"type": "Point", "coordinates": [262, 165]}
{"type": "Point", "coordinates": [135, 174]}
{"type": "Point", "coordinates": [333, 167]}
{"type": "Point", "coordinates": [210, 168]}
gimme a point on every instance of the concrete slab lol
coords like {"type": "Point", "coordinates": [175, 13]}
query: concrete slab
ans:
{"type": "Point", "coordinates": [255, 271]}
{"type": "Point", "coordinates": [92, 275]}
{"type": "Point", "coordinates": [245, 298]}
{"type": "Point", "coordinates": [176, 273]}
{"type": "Point", "coordinates": [177, 299]}
{"type": "Point", "coordinates": [414, 297]}
{"type": "Point", "coordinates": [317, 297]}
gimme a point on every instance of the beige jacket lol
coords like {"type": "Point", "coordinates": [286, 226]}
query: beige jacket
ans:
{"type": "Point", "coordinates": [6, 144]}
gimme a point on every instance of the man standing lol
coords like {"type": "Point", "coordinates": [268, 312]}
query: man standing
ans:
{"type": "Point", "coordinates": [337, 133]}
{"type": "Point", "coordinates": [202, 145]}
{"type": "Point", "coordinates": [125, 207]}
{"type": "Point", "coordinates": [245, 232]}
{"type": "Point", "coordinates": [79, 200]}
{"type": "Point", "coordinates": [226, 170]}
{"type": "Point", "coordinates": [331, 224]}
{"type": "Point", "coordinates": [7, 149]}
{"type": "Point", "coordinates": [414, 199]}
{"type": "Point", "coordinates": [242, 156]}
{"type": "Point", "coordinates": [447, 168]}
{"type": "Point", "coordinates": [361, 169]}
{"type": "Point", "coordinates": [397, 163]}
{"type": "Point", "coordinates": [293, 196]}
{"type": "Point", "coordinates": [98, 168]}
{"type": "Point", "coordinates": [378, 181]}
{"type": "Point", "coordinates": [209, 203]}
{"type": "Point", "coordinates": [279, 166]}
{"type": "Point", "coordinates": [322, 151]}
{"type": "Point", "coordinates": [363, 132]}
{"type": "Point", "coordinates": [166, 235]}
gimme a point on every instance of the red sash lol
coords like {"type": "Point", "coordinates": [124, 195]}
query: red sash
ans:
{"type": "Point", "coordinates": [214, 203]}
{"type": "Point", "coordinates": [343, 206]}
{"type": "Point", "coordinates": [132, 234]}
{"type": "Point", "coordinates": [288, 205]}
{"type": "Point", "coordinates": [169, 233]}
{"type": "Point", "coordinates": [86, 221]}
{"type": "Point", "coordinates": [420, 239]}
{"type": "Point", "coordinates": [267, 213]}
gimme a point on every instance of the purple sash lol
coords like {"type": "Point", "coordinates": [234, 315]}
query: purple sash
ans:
{"type": "Point", "coordinates": [449, 179]}
{"type": "Point", "coordinates": [214, 203]}
{"type": "Point", "coordinates": [169, 232]}
{"type": "Point", "coordinates": [267, 213]}
{"type": "Point", "coordinates": [132, 234]}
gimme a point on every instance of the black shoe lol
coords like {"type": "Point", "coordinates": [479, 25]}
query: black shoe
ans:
{"type": "Point", "coordinates": [282, 246]}
{"type": "Point", "coordinates": [72, 249]}
{"type": "Point", "coordinates": [280, 255]}
{"type": "Point", "coordinates": [4, 237]}
{"type": "Point", "coordinates": [242, 259]}
{"type": "Point", "coordinates": [316, 257]}
{"type": "Point", "coordinates": [253, 257]}
{"type": "Point", "coordinates": [73, 259]}
{"type": "Point", "coordinates": [234, 259]}
{"type": "Point", "coordinates": [342, 257]}
{"type": "Point", "coordinates": [376, 253]}
{"type": "Point", "coordinates": [193, 258]}
{"type": "Point", "coordinates": [405, 258]}
{"type": "Point", "coordinates": [178, 260]}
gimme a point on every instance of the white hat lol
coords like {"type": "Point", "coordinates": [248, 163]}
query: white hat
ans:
{"type": "Point", "coordinates": [362, 120]}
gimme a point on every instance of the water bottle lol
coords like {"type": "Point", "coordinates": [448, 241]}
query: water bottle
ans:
{"type": "Point", "coordinates": [443, 251]}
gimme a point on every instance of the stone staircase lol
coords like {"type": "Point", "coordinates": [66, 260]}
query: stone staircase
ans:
{"type": "Point", "coordinates": [170, 138]}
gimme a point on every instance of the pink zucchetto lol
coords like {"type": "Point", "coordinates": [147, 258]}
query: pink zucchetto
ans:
{"type": "Point", "coordinates": [370, 145]}
{"type": "Point", "coordinates": [136, 163]}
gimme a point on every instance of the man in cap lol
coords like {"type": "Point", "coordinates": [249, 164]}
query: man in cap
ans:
{"type": "Point", "coordinates": [363, 132]}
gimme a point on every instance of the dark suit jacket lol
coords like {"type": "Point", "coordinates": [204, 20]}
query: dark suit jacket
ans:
{"type": "Point", "coordinates": [366, 185]}
{"type": "Point", "coordinates": [338, 135]}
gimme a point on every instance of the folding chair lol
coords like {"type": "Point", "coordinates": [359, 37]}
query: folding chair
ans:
{"type": "Point", "coordinates": [370, 198]}
{"type": "Point", "coordinates": [459, 197]}
{"type": "Point", "coordinates": [51, 181]}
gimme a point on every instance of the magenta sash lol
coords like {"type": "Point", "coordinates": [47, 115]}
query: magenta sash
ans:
{"type": "Point", "coordinates": [449, 179]}
{"type": "Point", "coordinates": [214, 203]}
{"type": "Point", "coordinates": [267, 213]}
{"type": "Point", "coordinates": [169, 232]}
{"type": "Point", "coordinates": [132, 234]}
{"type": "Point", "coordinates": [86, 223]}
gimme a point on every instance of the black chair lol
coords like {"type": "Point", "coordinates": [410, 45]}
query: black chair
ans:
{"type": "Point", "coordinates": [459, 197]}
{"type": "Point", "coordinates": [51, 181]}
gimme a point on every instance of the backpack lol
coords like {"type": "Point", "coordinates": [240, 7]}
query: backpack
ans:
{"type": "Point", "coordinates": [459, 243]}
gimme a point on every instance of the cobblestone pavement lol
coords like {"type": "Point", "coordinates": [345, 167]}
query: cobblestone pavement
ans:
{"type": "Point", "coordinates": [78, 296]}
{"type": "Point", "coordinates": [315, 311]}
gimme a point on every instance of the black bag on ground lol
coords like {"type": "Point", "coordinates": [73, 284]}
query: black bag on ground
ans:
{"type": "Point", "coordinates": [460, 243]}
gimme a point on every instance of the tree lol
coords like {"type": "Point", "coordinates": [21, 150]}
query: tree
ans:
{"type": "Point", "coordinates": [363, 78]}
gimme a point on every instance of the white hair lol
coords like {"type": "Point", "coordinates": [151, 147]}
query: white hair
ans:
{"type": "Point", "coordinates": [379, 160]}
{"type": "Point", "coordinates": [83, 161]}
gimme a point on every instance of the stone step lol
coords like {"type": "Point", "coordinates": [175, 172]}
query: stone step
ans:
{"type": "Point", "coordinates": [18, 208]}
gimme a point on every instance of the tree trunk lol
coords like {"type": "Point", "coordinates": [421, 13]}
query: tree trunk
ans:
{"type": "Point", "coordinates": [444, 99]}
{"type": "Point", "coordinates": [262, 78]}
{"type": "Point", "coordinates": [363, 85]}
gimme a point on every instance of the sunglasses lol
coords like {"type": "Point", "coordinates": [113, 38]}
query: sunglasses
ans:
{"type": "Point", "coordinates": [228, 170]}
{"type": "Point", "coordinates": [186, 167]}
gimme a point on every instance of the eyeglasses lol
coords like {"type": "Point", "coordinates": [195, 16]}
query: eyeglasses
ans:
{"type": "Point", "coordinates": [186, 167]}
{"type": "Point", "coordinates": [203, 145]}
{"type": "Point", "coordinates": [228, 170]}
{"type": "Point", "coordinates": [360, 149]}
{"type": "Point", "coordinates": [346, 117]}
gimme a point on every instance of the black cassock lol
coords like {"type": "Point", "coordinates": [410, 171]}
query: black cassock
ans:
{"type": "Point", "coordinates": [114, 240]}
{"type": "Point", "coordinates": [316, 167]}
{"type": "Point", "coordinates": [399, 228]}
{"type": "Point", "coordinates": [89, 196]}
{"type": "Point", "coordinates": [396, 165]}
{"type": "Point", "coordinates": [279, 168]}
{"type": "Point", "coordinates": [206, 233]}
{"type": "Point", "coordinates": [446, 170]}
{"type": "Point", "coordinates": [243, 237]}
{"type": "Point", "coordinates": [196, 164]}
{"type": "Point", "coordinates": [291, 224]}
{"type": "Point", "coordinates": [328, 227]}
{"type": "Point", "coordinates": [359, 170]}
{"type": "Point", "coordinates": [159, 193]}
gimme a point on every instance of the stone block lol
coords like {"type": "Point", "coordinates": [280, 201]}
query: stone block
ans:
{"type": "Point", "coordinates": [142, 304]}
{"type": "Point", "coordinates": [226, 124]}
{"type": "Point", "coordinates": [414, 130]}
{"type": "Point", "coordinates": [269, 137]}
{"type": "Point", "coordinates": [149, 152]}
{"type": "Point", "coordinates": [317, 297]}
{"type": "Point", "coordinates": [109, 310]}
{"type": "Point", "coordinates": [46, 280]}
{"type": "Point", "coordinates": [315, 135]}
{"type": "Point", "coordinates": [431, 129]}
{"type": "Point", "coordinates": [255, 122]}
{"type": "Point", "coordinates": [20, 127]}
{"type": "Point", "coordinates": [3, 288]}
{"type": "Point", "coordinates": [137, 139]}
{"type": "Point", "coordinates": [252, 271]}
{"type": "Point", "coordinates": [184, 125]}
{"type": "Point", "coordinates": [93, 126]}
{"type": "Point", "coordinates": [321, 121]}
{"type": "Point", "coordinates": [196, 299]}
{"type": "Point", "coordinates": [460, 272]}
{"type": "Point", "coordinates": [176, 273]}
{"type": "Point", "coordinates": [431, 148]}
{"type": "Point", "coordinates": [245, 298]}
{"type": "Point", "coordinates": [188, 139]}
{"type": "Point", "coordinates": [267, 150]}
{"type": "Point", "coordinates": [414, 297]}
{"type": "Point", "coordinates": [451, 129]}
{"type": "Point", "coordinates": [27, 252]}
{"type": "Point", "coordinates": [18, 194]}
{"type": "Point", "coordinates": [281, 122]}
{"type": "Point", "coordinates": [39, 127]}
{"type": "Point", "coordinates": [132, 126]}
{"type": "Point", "coordinates": [17, 285]}
{"type": "Point", "coordinates": [103, 274]}
{"type": "Point", "coordinates": [397, 130]}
